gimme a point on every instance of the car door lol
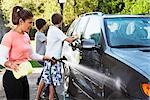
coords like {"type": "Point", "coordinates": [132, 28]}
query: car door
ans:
{"type": "Point", "coordinates": [87, 28]}
{"type": "Point", "coordinates": [70, 51]}
{"type": "Point", "coordinates": [91, 57]}
{"type": "Point", "coordinates": [92, 32]}
{"type": "Point", "coordinates": [76, 28]}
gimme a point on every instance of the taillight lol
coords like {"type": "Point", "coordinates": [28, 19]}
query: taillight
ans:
{"type": "Point", "coordinates": [146, 88]}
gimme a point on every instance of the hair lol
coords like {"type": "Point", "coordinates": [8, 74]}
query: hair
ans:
{"type": "Point", "coordinates": [40, 23]}
{"type": "Point", "coordinates": [56, 18]}
{"type": "Point", "coordinates": [20, 13]}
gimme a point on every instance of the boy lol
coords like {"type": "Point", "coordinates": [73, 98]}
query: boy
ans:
{"type": "Point", "coordinates": [40, 39]}
{"type": "Point", "coordinates": [55, 37]}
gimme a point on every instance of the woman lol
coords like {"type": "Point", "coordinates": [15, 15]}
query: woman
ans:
{"type": "Point", "coordinates": [17, 49]}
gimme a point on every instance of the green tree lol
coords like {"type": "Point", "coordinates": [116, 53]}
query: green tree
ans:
{"type": "Point", "coordinates": [45, 8]}
{"type": "Point", "coordinates": [136, 7]}
{"type": "Point", "coordinates": [2, 23]}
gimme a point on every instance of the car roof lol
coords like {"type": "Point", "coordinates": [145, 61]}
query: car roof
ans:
{"type": "Point", "coordinates": [116, 15]}
{"type": "Point", "coordinates": [112, 15]}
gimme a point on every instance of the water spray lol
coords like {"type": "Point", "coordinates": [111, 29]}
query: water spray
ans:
{"type": "Point", "coordinates": [101, 77]}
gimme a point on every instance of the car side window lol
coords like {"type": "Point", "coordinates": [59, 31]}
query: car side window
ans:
{"type": "Point", "coordinates": [81, 26]}
{"type": "Point", "coordinates": [93, 29]}
{"type": "Point", "coordinates": [72, 27]}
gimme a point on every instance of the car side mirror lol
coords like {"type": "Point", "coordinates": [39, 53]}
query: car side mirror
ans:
{"type": "Point", "coordinates": [91, 45]}
{"type": "Point", "coordinates": [88, 43]}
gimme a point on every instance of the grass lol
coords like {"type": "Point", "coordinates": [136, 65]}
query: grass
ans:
{"type": "Point", "coordinates": [1, 67]}
{"type": "Point", "coordinates": [34, 64]}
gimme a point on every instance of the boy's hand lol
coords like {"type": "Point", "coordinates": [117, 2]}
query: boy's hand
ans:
{"type": "Point", "coordinates": [76, 36]}
{"type": "Point", "coordinates": [46, 58]}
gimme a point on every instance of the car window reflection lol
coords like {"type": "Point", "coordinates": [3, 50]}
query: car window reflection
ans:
{"type": "Point", "coordinates": [128, 31]}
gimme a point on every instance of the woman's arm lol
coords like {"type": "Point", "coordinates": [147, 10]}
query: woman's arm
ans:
{"type": "Point", "coordinates": [4, 50]}
{"type": "Point", "coordinates": [36, 56]}
{"type": "Point", "coordinates": [3, 58]}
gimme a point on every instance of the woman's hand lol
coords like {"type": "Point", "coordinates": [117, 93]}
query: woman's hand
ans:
{"type": "Point", "coordinates": [12, 65]}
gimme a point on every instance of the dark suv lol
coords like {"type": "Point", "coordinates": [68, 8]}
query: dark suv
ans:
{"type": "Point", "coordinates": [111, 58]}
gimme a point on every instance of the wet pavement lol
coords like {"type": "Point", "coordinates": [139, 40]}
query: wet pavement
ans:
{"type": "Point", "coordinates": [33, 87]}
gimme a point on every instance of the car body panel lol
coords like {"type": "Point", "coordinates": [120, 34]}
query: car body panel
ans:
{"type": "Point", "coordinates": [128, 65]}
{"type": "Point", "coordinates": [139, 59]}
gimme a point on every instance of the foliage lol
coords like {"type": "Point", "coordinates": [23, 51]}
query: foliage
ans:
{"type": "Point", "coordinates": [84, 6]}
{"type": "Point", "coordinates": [74, 8]}
{"type": "Point", "coordinates": [136, 7]}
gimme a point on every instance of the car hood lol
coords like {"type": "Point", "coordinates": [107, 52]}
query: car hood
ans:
{"type": "Point", "coordinates": [138, 59]}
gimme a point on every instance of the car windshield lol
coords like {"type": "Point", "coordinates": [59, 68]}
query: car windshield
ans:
{"type": "Point", "coordinates": [128, 32]}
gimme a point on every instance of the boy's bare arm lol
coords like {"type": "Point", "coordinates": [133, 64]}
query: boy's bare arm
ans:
{"type": "Point", "coordinates": [71, 39]}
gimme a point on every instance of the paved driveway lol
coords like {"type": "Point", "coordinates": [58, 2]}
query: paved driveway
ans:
{"type": "Point", "coordinates": [32, 82]}
{"type": "Point", "coordinates": [33, 87]}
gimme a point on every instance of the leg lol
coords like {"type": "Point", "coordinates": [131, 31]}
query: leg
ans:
{"type": "Point", "coordinates": [51, 93]}
{"type": "Point", "coordinates": [13, 87]}
{"type": "Point", "coordinates": [46, 91]}
{"type": "Point", "coordinates": [25, 84]}
{"type": "Point", "coordinates": [44, 79]}
{"type": "Point", "coordinates": [40, 89]}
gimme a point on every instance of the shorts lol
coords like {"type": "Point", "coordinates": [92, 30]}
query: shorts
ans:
{"type": "Point", "coordinates": [55, 75]}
